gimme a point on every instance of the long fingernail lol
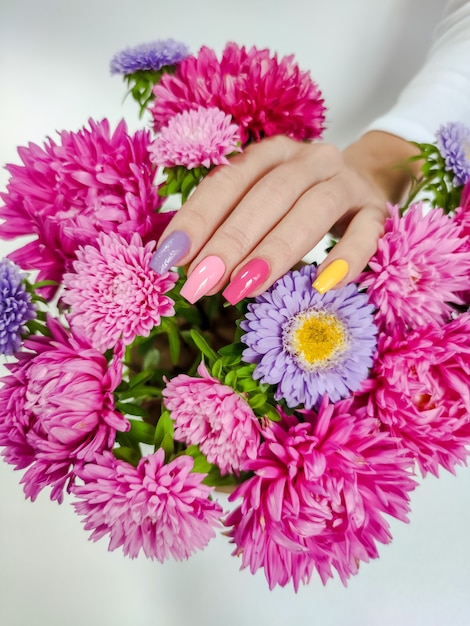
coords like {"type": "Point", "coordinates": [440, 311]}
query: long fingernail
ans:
{"type": "Point", "coordinates": [170, 251]}
{"type": "Point", "coordinates": [246, 280]}
{"type": "Point", "coordinates": [331, 275]}
{"type": "Point", "coordinates": [204, 276]}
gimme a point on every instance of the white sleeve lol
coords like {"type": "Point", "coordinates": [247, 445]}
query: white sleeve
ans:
{"type": "Point", "coordinates": [440, 91]}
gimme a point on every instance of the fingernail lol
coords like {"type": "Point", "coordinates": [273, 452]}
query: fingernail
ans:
{"type": "Point", "coordinates": [204, 276]}
{"type": "Point", "coordinates": [246, 280]}
{"type": "Point", "coordinates": [170, 251]}
{"type": "Point", "coordinates": [331, 275]}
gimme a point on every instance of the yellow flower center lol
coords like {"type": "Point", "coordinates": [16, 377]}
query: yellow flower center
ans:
{"type": "Point", "coordinates": [316, 339]}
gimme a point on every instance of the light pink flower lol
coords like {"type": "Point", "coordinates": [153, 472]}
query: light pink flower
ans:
{"type": "Point", "coordinates": [113, 293]}
{"type": "Point", "coordinates": [318, 496]}
{"type": "Point", "coordinates": [213, 416]}
{"type": "Point", "coordinates": [58, 409]}
{"type": "Point", "coordinates": [66, 193]}
{"type": "Point", "coordinates": [202, 136]}
{"type": "Point", "coordinates": [265, 96]}
{"type": "Point", "coordinates": [419, 389]}
{"type": "Point", "coordinates": [163, 509]}
{"type": "Point", "coordinates": [420, 267]}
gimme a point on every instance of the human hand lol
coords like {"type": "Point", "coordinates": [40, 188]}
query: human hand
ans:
{"type": "Point", "coordinates": [251, 221]}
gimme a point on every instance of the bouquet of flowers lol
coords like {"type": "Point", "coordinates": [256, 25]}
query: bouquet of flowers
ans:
{"type": "Point", "coordinates": [315, 410]}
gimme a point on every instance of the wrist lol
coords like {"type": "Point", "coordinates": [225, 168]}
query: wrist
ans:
{"type": "Point", "coordinates": [383, 159]}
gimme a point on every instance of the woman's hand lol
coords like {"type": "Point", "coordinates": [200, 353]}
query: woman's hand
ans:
{"type": "Point", "coordinates": [249, 222]}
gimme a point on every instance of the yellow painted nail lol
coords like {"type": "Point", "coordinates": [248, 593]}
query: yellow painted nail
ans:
{"type": "Point", "coordinates": [331, 275]}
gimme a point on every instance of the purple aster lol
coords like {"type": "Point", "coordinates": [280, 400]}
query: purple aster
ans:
{"type": "Point", "coordinates": [16, 307]}
{"type": "Point", "coordinates": [149, 56]}
{"type": "Point", "coordinates": [453, 140]}
{"type": "Point", "coordinates": [309, 344]}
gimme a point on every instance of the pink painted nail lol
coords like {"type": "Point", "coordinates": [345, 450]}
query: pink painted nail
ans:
{"type": "Point", "coordinates": [246, 280]}
{"type": "Point", "coordinates": [204, 276]}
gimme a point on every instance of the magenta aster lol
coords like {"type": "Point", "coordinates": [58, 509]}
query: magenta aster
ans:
{"type": "Point", "coordinates": [196, 137]}
{"type": "Point", "coordinates": [419, 390]}
{"type": "Point", "coordinates": [58, 409]}
{"type": "Point", "coordinates": [308, 344]}
{"type": "Point", "coordinates": [66, 193]}
{"type": "Point", "coordinates": [420, 267]}
{"type": "Point", "coordinates": [213, 416]}
{"type": "Point", "coordinates": [318, 496]}
{"type": "Point", "coordinates": [265, 96]}
{"type": "Point", "coordinates": [113, 294]}
{"type": "Point", "coordinates": [161, 508]}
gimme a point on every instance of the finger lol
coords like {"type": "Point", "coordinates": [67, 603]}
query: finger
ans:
{"type": "Point", "coordinates": [353, 251]}
{"type": "Point", "coordinates": [296, 234]}
{"type": "Point", "coordinates": [235, 205]}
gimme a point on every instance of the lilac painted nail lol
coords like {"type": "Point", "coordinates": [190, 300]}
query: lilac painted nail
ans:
{"type": "Point", "coordinates": [170, 251]}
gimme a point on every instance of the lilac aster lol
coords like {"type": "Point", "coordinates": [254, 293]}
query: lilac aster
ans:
{"type": "Point", "coordinates": [113, 294]}
{"type": "Point", "coordinates": [453, 141]}
{"type": "Point", "coordinates": [309, 344]}
{"type": "Point", "coordinates": [161, 508]}
{"type": "Point", "coordinates": [202, 136]}
{"type": "Point", "coordinates": [212, 415]}
{"type": "Point", "coordinates": [152, 56]}
{"type": "Point", "coordinates": [16, 307]}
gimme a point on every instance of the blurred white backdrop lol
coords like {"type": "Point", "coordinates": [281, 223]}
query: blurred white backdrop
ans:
{"type": "Point", "coordinates": [54, 74]}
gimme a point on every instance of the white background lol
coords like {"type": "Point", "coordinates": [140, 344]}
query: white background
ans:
{"type": "Point", "coordinates": [54, 59]}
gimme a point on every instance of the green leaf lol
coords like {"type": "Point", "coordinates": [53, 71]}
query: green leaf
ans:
{"type": "Point", "coordinates": [271, 413]}
{"type": "Point", "coordinates": [140, 378]}
{"type": "Point", "coordinates": [257, 401]}
{"type": "Point", "coordinates": [203, 346]}
{"type": "Point", "coordinates": [130, 455]}
{"type": "Point", "coordinates": [164, 433]}
{"type": "Point", "coordinates": [142, 432]}
{"type": "Point", "coordinates": [216, 370]}
{"type": "Point", "coordinates": [231, 378]}
{"type": "Point", "coordinates": [145, 391]}
{"type": "Point", "coordinates": [129, 408]}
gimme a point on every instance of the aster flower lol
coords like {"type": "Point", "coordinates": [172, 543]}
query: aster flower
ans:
{"type": "Point", "coordinates": [213, 416]}
{"type": "Point", "coordinates": [318, 496]}
{"type": "Point", "coordinates": [113, 294]}
{"type": "Point", "coordinates": [309, 344]}
{"type": "Point", "coordinates": [16, 307]}
{"type": "Point", "coordinates": [162, 509]}
{"type": "Point", "coordinates": [419, 390]}
{"type": "Point", "coordinates": [65, 194]}
{"type": "Point", "coordinates": [420, 267]}
{"type": "Point", "coordinates": [58, 409]}
{"type": "Point", "coordinates": [265, 96]}
{"type": "Point", "coordinates": [453, 141]}
{"type": "Point", "coordinates": [198, 137]}
{"type": "Point", "coordinates": [152, 56]}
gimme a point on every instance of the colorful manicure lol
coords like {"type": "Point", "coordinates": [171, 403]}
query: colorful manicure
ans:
{"type": "Point", "coordinates": [204, 276]}
{"type": "Point", "coordinates": [331, 275]}
{"type": "Point", "coordinates": [170, 251]}
{"type": "Point", "coordinates": [251, 275]}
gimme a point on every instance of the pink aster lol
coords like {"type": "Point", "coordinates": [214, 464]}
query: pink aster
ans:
{"type": "Point", "coordinates": [58, 409]}
{"type": "Point", "coordinates": [318, 496]}
{"type": "Point", "coordinates": [213, 416]}
{"type": "Point", "coordinates": [196, 137]}
{"type": "Point", "coordinates": [264, 95]}
{"type": "Point", "coordinates": [163, 509]}
{"type": "Point", "coordinates": [420, 267]}
{"type": "Point", "coordinates": [66, 193]}
{"type": "Point", "coordinates": [419, 389]}
{"type": "Point", "coordinates": [113, 294]}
